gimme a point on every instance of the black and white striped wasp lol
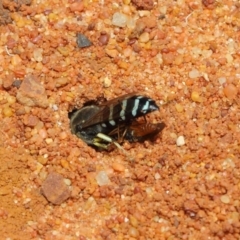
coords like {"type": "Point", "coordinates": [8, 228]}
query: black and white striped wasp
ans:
{"type": "Point", "coordinates": [115, 121]}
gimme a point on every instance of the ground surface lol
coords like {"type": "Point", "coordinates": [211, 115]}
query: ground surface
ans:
{"type": "Point", "coordinates": [183, 54]}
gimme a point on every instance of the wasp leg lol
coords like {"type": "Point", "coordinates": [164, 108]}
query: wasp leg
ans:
{"type": "Point", "coordinates": [97, 141]}
{"type": "Point", "coordinates": [106, 138]}
{"type": "Point", "coordinates": [101, 136]}
{"type": "Point", "coordinates": [120, 131]}
{"type": "Point", "coordinates": [145, 119]}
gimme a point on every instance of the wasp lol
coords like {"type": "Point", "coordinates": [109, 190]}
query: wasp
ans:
{"type": "Point", "coordinates": [115, 121]}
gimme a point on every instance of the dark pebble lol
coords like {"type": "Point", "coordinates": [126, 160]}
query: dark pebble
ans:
{"type": "Point", "coordinates": [103, 39]}
{"type": "Point", "coordinates": [17, 83]}
{"type": "Point", "coordinates": [83, 41]}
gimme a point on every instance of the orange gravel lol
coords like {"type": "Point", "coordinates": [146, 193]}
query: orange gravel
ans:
{"type": "Point", "coordinates": [183, 54]}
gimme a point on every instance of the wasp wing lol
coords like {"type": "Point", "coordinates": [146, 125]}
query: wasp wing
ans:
{"type": "Point", "coordinates": [139, 132]}
{"type": "Point", "coordinates": [136, 131]}
{"type": "Point", "coordinates": [108, 111]}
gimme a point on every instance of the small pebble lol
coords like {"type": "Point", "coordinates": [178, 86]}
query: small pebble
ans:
{"type": "Point", "coordinates": [67, 181]}
{"type": "Point", "coordinates": [222, 80]}
{"type": "Point", "coordinates": [30, 120]}
{"type": "Point", "coordinates": [195, 97]}
{"type": "Point", "coordinates": [65, 163]}
{"type": "Point", "coordinates": [225, 199]}
{"type": "Point", "coordinates": [55, 189]}
{"type": "Point", "coordinates": [149, 191]}
{"type": "Point", "coordinates": [157, 176]}
{"type": "Point", "coordinates": [126, 8]}
{"type": "Point", "coordinates": [127, 52]}
{"type": "Point", "coordinates": [133, 221]}
{"type": "Point", "coordinates": [118, 167]}
{"type": "Point", "coordinates": [119, 19]}
{"type": "Point", "coordinates": [194, 73]}
{"type": "Point", "coordinates": [107, 82]}
{"type": "Point", "coordinates": [144, 13]}
{"type": "Point", "coordinates": [42, 160]}
{"type": "Point", "coordinates": [159, 58]}
{"type": "Point", "coordinates": [102, 178]}
{"type": "Point", "coordinates": [63, 50]}
{"type": "Point", "coordinates": [133, 232]}
{"type": "Point", "coordinates": [143, 5]}
{"type": "Point", "coordinates": [228, 163]}
{"type": "Point", "coordinates": [179, 107]}
{"type": "Point", "coordinates": [230, 91]}
{"type": "Point", "coordinates": [11, 100]}
{"type": "Point", "coordinates": [37, 54]}
{"type": "Point", "coordinates": [16, 83]}
{"type": "Point", "coordinates": [32, 93]}
{"type": "Point", "coordinates": [200, 139]}
{"type": "Point", "coordinates": [16, 60]}
{"type": "Point", "coordinates": [229, 58]}
{"type": "Point", "coordinates": [63, 135]}
{"type": "Point", "coordinates": [48, 140]}
{"type": "Point", "coordinates": [168, 58]}
{"type": "Point", "coordinates": [42, 133]}
{"type": "Point", "coordinates": [103, 39]}
{"type": "Point", "coordinates": [62, 81]}
{"type": "Point", "coordinates": [180, 141]}
{"type": "Point", "coordinates": [7, 111]}
{"type": "Point", "coordinates": [77, 6]}
{"type": "Point", "coordinates": [54, 107]}
{"type": "Point", "coordinates": [144, 37]}
{"type": "Point", "coordinates": [83, 41]}
{"type": "Point", "coordinates": [149, 22]}
{"type": "Point", "coordinates": [177, 29]}
{"type": "Point", "coordinates": [7, 81]}
{"type": "Point", "coordinates": [123, 64]}
{"type": "Point", "coordinates": [111, 52]}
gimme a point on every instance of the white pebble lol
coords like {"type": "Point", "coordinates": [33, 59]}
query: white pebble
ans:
{"type": "Point", "coordinates": [194, 73]}
{"type": "Point", "coordinates": [149, 191]}
{"type": "Point", "coordinates": [207, 53]}
{"type": "Point", "coordinates": [180, 141]}
{"type": "Point", "coordinates": [177, 29]}
{"type": "Point", "coordinates": [157, 176]}
{"type": "Point", "coordinates": [144, 13]}
{"type": "Point", "coordinates": [229, 58]}
{"type": "Point", "coordinates": [119, 19]}
{"type": "Point", "coordinates": [144, 37]}
{"type": "Point", "coordinates": [159, 58]}
{"type": "Point", "coordinates": [228, 163]}
{"type": "Point", "coordinates": [54, 107]}
{"type": "Point", "coordinates": [222, 80]}
{"type": "Point", "coordinates": [225, 199]}
{"type": "Point", "coordinates": [37, 54]}
{"type": "Point", "coordinates": [102, 178]}
{"type": "Point", "coordinates": [67, 181]}
{"type": "Point", "coordinates": [205, 76]}
{"type": "Point", "coordinates": [107, 82]}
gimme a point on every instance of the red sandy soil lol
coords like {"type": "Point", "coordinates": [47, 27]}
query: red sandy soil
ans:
{"type": "Point", "coordinates": [183, 185]}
